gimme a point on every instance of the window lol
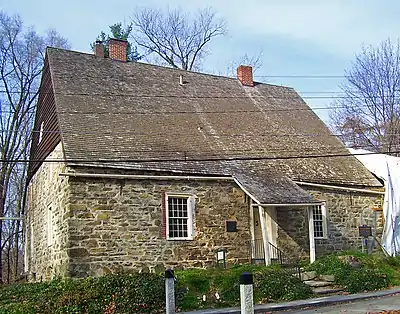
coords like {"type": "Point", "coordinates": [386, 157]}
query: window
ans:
{"type": "Point", "coordinates": [49, 227]}
{"type": "Point", "coordinates": [319, 221]}
{"type": "Point", "coordinates": [179, 217]}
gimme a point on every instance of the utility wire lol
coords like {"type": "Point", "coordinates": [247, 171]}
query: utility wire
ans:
{"type": "Point", "coordinates": [98, 112]}
{"type": "Point", "coordinates": [116, 132]}
{"type": "Point", "coordinates": [186, 159]}
{"type": "Point", "coordinates": [303, 76]}
{"type": "Point", "coordinates": [294, 96]}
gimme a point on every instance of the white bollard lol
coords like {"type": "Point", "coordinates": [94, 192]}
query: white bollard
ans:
{"type": "Point", "coordinates": [246, 294]}
{"type": "Point", "coordinates": [169, 291]}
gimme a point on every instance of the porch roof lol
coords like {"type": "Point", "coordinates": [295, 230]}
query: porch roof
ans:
{"type": "Point", "coordinates": [273, 189]}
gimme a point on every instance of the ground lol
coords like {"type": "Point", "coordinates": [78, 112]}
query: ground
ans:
{"type": "Point", "coordinates": [377, 305]}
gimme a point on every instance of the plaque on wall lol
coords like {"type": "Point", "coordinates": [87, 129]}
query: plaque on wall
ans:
{"type": "Point", "coordinates": [231, 226]}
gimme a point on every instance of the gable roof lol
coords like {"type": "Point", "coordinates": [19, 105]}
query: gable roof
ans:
{"type": "Point", "coordinates": [120, 114]}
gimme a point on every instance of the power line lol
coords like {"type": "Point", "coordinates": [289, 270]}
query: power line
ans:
{"type": "Point", "coordinates": [201, 112]}
{"type": "Point", "coordinates": [199, 150]}
{"type": "Point", "coordinates": [202, 132]}
{"type": "Point", "coordinates": [186, 159]}
{"type": "Point", "coordinates": [303, 76]}
{"type": "Point", "coordinates": [295, 96]}
{"type": "Point", "coordinates": [299, 92]}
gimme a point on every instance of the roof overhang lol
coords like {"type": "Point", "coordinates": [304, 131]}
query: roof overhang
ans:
{"type": "Point", "coordinates": [288, 205]}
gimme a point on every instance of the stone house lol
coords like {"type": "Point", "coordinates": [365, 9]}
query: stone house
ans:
{"type": "Point", "coordinates": [141, 167]}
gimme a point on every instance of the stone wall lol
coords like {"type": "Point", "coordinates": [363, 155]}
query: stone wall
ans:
{"type": "Point", "coordinates": [345, 212]}
{"type": "Point", "coordinates": [293, 231]}
{"type": "Point", "coordinates": [116, 225]}
{"type": "Point", "coordinates": [47, 191]}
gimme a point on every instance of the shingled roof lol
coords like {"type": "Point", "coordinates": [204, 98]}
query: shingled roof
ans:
{"type": "Point", "coordinates": [121, 114]}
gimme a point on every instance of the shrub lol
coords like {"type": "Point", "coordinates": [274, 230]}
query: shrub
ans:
{"type": "Point", "coordinates": [125, 293]}
{"type": "Point", "coordinates": [330, 265]}
{"type": "Point", "coordinates": [360, 280]}
{"type": "Point", "coordinates": [374, 273]}
{"type": "Point", "coordinates": [270, 283]}
{"type": "Point", "coordinates": [276, 284]}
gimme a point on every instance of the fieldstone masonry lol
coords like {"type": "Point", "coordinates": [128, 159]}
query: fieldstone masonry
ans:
{"type": "Point", "coordinates": [108, 225]}
{"type": "Point", "coordinates": [116, 225]}
{"type": "Point", "coordinates": [346, 211]}
{"type": "Point", "coordinates": [105, 225]}
{"type": "Point", "coordinates": [47, 191]}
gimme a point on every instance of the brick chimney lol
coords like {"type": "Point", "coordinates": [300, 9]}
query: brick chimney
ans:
{"type": "Point", "coordinates": [99, 49]}
{"type": "Point", "coordinates": [245, 75]}
{"type": "Point", "coordinates": [117, 49]}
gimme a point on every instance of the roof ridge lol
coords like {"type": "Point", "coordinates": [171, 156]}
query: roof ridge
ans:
{"type": "Point", "coordinates": [145, 64]}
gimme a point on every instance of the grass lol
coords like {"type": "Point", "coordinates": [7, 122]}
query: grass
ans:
{"type": "Point", "coordinates": [195, 288]}
{"type": "Point", "coordinates": [375, 271]}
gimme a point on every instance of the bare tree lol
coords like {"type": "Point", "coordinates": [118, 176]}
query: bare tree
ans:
{"type": "Point", "coordinates": [21, 62]}
{"type": "Point", "coordinates": [178, 39]}
{"type": "Point", "coordinates": [254, 60]}
{"type": "Point", "coordinates": [368, 114]}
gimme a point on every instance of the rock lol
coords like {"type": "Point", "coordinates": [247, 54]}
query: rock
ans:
{"type": "Point", "coordinates": [314, 283]}
{"type": "Point", "coordinates": [329, 278]}
{"type": "Point", "coordinates": [308, 275]}
{"type": "Point", "coordinates": [78, 252]}
{"type": "Point", "coordinates": [327, 290]}
{"type": "Point", "coordinates": [350, 260]}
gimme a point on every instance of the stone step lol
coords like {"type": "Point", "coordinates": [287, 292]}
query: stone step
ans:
{"type": "Point", "coordinates": [316, 283]}
{"type": "Point", "coordinates": [327, 290]}
{"type": "Point", "coordinates": [329, 278]}
{"type": "Point", "coordinates": [308, 275]}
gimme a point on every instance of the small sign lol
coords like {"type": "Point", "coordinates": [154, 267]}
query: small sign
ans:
{"type": "Point", "coordinates": [220, 255]}
{"type": "Point", "coordinates": [365, 231]}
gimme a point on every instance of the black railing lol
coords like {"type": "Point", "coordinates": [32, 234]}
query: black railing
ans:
{"type": "Point", "coordinates": [276, 256]}
{"type": "Point", "coordinates": [257, 251]}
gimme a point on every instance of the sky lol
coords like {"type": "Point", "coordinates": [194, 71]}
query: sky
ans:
{"type": "Point", "coordinates": [297, 38]}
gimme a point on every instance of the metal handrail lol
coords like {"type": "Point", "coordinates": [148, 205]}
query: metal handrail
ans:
{"type": "Point", "coordinates": [277, 256]}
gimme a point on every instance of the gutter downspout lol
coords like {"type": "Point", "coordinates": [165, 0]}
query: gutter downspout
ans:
{"type": "Point", "coordinates": [335, 187]}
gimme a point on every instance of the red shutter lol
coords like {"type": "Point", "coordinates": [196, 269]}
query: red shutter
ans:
{"type": "Point", "coordinates": [164, 215]}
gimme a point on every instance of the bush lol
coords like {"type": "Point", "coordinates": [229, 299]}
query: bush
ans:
{"type": "Point", "coordinates": [330, 265]}
{"type": "Point", "coordinates": [276, 284]}
{"type": "Point", "coordinates": [374, 273]}
{"type": "Point", "coordinates": [222, 288]}
{"type": "Point", "coordinates": [360, 280]}
{"type": "Point", "coordinates": [125, 293]}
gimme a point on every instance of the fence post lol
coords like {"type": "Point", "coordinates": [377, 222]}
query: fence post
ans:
{"type": "Point", "coordinates": [169, 291]}
{"type": "Point", "coordinates": [246, 294]}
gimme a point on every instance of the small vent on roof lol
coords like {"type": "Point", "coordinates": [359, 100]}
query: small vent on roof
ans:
{"type": "Point", "coordinates": [180, 79]}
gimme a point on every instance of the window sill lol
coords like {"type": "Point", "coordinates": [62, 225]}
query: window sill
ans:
{"type": "Point", "coordinates": [180, 239]}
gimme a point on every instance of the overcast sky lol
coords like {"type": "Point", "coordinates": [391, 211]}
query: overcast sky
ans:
{"type": "Point", "coordinates": [297, 37]}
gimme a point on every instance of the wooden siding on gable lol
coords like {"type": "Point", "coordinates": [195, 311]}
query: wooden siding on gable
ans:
{"type": "Point", "coordinates": [46, 114]}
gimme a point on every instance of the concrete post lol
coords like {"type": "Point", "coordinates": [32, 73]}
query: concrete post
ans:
{"type": "Point", "coordinates": [169, 291]}
{"type": "Point", "coordinates": [246, 294]}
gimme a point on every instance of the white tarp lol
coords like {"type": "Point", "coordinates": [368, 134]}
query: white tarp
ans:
{"type": "Point", "coordinates": [387, 168]}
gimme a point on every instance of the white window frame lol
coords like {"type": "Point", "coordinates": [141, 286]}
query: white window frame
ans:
{"type": "Point", "coordinates": [50, 230]}
{"type": "Point", "coordinates": [324, 221]}
{"type": "Point", "coordinates": [190, 199]}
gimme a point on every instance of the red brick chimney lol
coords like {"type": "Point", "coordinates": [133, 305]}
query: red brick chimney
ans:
{"type": "Point", "coordinates": [99, 49]}
{"type": "Point", "coordinates": [117, 49]}
{"type": "Point", "coordinates": [245, 75]}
